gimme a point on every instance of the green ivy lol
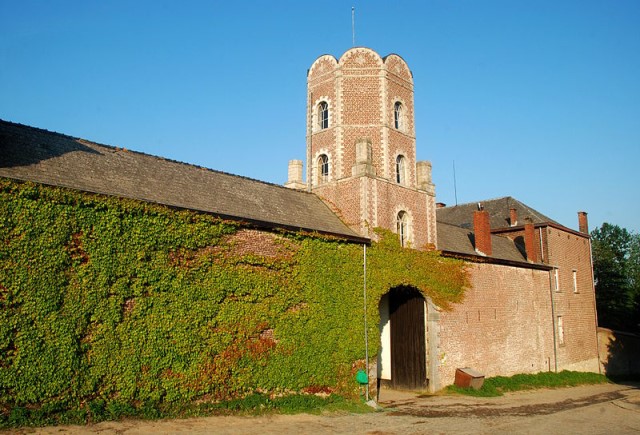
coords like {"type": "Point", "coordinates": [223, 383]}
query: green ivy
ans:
{"type": "Point", "coordinates": [109, 304]}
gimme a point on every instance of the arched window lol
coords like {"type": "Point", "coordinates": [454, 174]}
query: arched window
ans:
{"type": "Point", "coordinates": [398, 116]}
{"type": "Point", "coordinates": [402, 222]}
{"type": "Point", "coordinates": [401, 168]}
{"type": "Point", "coordinates": [323, 115]}
{"type": "Point", "coordinates": [323, 169]}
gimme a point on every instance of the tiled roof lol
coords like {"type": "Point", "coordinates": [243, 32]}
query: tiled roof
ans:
{"type": "Point", "coordinates": [455, 239]}
{"type": "Point", "coordinates": [32, 154]}
{"type": "Point", "coordinates": [499, 214]}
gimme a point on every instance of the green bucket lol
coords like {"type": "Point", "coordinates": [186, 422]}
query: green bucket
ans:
{"type": "Point", "coordinates": [362, 378]}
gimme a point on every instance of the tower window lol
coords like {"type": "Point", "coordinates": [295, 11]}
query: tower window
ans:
{"type": "Point", "coordinates": [402, 223]}
{"type": "Point", "coordinates": [323, 115]}
{"type": "Point", "coordinates": [323, 169]}
{"type": "Point", "coordinates": [401, 164]}
{"type": "Point", "coordinates": [398, 116]}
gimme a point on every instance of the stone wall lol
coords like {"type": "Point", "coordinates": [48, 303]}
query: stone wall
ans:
{"type": "Point", "coordinates": [619, 353]}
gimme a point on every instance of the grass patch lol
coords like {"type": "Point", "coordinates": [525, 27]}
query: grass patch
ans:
{"type": "Point", "coordinates": [254, 404]}
{"type": "Point", "coordinates": [498, 385]}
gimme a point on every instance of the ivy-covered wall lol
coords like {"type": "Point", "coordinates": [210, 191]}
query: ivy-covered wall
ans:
{"type": "Point", "coordinates": [117, 300]}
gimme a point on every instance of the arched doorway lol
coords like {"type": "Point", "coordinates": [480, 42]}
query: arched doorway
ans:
{"type": "Point", "coordinates": [403, 353]}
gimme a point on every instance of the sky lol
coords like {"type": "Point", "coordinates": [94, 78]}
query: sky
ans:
{"type": "Point", "coordinates": [538, 100]}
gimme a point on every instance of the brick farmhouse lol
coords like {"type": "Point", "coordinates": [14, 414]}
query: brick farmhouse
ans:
{"type": "Point", "coordinates": [531, 305]}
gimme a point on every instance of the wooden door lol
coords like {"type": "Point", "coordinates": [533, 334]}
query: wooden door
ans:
{"type": "Point", "coordinates": [408, 347]}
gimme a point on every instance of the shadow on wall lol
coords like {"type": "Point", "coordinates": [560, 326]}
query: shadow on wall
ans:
{"type": "Point", "coordinates": [17, 149]}
{"type": "Point", "coordinates": [619, 354]}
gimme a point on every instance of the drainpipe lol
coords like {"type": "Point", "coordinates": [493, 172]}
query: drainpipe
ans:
{"type": "Point", "coordinates": [553, 320]}
{"type": "Point", "coordinates": [366, 333]}
{"type": "Point", "coordinates": [595, 311]}
{"type": "Point", "coordinates": [310, 139]}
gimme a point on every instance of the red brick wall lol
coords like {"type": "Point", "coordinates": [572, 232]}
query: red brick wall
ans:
{"type": "Point", "coordinates": [503, 326]}
{"type": "Point", "coordinates": [568, 252]}
{"type": "Point", "coordinates": [362, 89]}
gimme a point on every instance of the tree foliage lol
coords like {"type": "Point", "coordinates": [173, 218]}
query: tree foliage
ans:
{"type": "Point", "coordinates": [616, 267]}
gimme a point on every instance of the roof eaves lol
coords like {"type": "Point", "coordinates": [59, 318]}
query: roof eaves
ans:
{"type": "Point", "coordinates": [493, 260]}
{"type": "Point", "coordinates": [541, 225]}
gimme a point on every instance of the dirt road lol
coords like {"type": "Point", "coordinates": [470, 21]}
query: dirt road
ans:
{"type": "Point", "coordinates": [599, 409]}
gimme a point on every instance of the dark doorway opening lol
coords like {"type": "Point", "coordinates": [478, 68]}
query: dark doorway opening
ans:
{"type": "Point", "coordinates": [408, 346]}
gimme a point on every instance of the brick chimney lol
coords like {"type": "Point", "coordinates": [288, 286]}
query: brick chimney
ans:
{"type": "Point", "coordinates": [482, 230]}
{"type": "Point", "coordinates": [583, 223]}
{"type": "Point", "coordinates": [513, 217]}
{"type": "Point", "coordinates": [530, 245]}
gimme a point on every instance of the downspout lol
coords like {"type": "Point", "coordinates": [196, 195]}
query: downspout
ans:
{"type": "Point", "coordinates": [553, 305]}
{"type": "Point", "coordinates": [366, 333]}
{"type": "Point", "coordinates": [310, 138]}
{"type": "Point", "coordinates": [553, 321]}
{"type": "Point", "coordinates": [595, 307]}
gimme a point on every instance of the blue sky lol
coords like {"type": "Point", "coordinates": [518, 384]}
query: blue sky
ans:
{"type": "Point", "coordinates": [539, 100]}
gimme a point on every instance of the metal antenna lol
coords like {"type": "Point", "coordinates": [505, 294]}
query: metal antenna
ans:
{"type": "Point", "coordinates": [353, 25]}
{"type": "Point", "coordinates": [455, 188]}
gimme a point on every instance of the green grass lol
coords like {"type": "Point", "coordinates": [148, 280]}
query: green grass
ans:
{"type": "Point", "coordinates": [254, 404]}
{"type": "Point", "coordinates": [493, 387]}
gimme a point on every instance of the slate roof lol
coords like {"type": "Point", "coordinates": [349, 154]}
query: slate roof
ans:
{"type": "Point", "coordinates": [499, 215]}
{"type": "Point", "coordinates": [458, 240]}
{"type": "Point", "coordinates": [32, 154]}
{"type": "Point", "coordinates": [456, 236]}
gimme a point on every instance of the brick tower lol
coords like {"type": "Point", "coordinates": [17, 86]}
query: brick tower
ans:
{"type": "Point", "coordinates": [361, 146]}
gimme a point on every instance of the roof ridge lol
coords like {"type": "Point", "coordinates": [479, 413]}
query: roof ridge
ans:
{"type": "Point", "coordinates": [116, 148]}
{"type": "Point", "coordinates": [481, 201]}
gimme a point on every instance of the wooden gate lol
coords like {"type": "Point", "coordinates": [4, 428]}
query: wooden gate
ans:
{"type": "Point", "coordinates": [408, 347]}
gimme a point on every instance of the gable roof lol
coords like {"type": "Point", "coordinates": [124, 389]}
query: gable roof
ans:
{"type": "Point", "coordinates": [456, 236]}
{"type": "Point", "coordinates": [458, 241]}
{"type": "Point", "coordinates": [41, 156]}
{"type": "Point", "coordinates": [499, 213]}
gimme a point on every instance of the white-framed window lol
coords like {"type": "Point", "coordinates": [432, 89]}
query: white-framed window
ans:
{"type": "Point", "coordinates": [556, 279]}
{"type": "Point", "coordinates": [323, 115]}
{"type": "Point", "coordinates": [398, 115]}
{"type": "Point", "coordinates": [402, 224]}
{"type": "Point", "coordinates": [575, 281]}
{"type": "Point", "coordinates": [401, 169]}
{"type": "Point", "coordinates": [560, 325]}
{"type": "Point", "coordinates": [323, 168]}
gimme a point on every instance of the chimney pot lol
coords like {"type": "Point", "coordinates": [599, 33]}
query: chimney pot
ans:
{"type": "Point", "coordinates": [482, 230]}
{"type": "Point", "coordinates": [583, 223]}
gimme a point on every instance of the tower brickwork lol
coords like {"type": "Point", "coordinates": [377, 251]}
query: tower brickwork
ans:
{"type": "Point", "coordinates": [361, 146]}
